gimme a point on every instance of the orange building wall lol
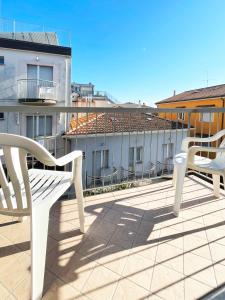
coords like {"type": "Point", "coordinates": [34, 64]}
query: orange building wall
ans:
{"type": "Point", "coordinates": [195, 120]}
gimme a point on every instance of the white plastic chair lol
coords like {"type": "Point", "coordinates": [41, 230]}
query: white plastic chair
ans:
{"type": "Point", "coordinates": [188, 159]}
{"type": "Point", "coordinates": [33, 192]}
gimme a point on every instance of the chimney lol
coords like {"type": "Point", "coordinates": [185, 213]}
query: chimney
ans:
{"type": "Point", "coordinates": [139, 103]}
{"type": "Point", "coordinates": [174, 93]}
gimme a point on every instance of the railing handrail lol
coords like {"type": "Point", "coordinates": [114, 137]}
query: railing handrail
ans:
{"type": "Point", "coordinates": [73, 109]}
{"type": "Point", "coordinates": [35, 79]}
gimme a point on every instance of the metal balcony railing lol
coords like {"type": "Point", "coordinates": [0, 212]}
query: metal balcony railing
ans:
{"type": "Point", "coordinates": [36, 33]}
{"type": "Point", "coordinates": [36, 91]}
{"type": "Point", "coordinates": [121, 146]}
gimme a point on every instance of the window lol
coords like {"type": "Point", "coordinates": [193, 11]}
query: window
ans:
{"type": "Point", "coordinates": [131, 156]}
{"type": "Point", "coordinates": [39, 126]}
{"type": "Point", "coordinates": [181, 115]}
{"type": "Point", "coordinates": [105, 159]}
{"type": "Point", "coordinates": [168, 150]}
{"type": "Point", "coordinates": [83, 155]}
{"type": "Point", "coordinates": [2, 117]}
{"type": "Point", "coordinates": [206, 117]}
{"type": "Point", "coordinates": [135, 155]}
{"type": "Point", "coordinates": [139, 152]}
{"type": "Point", "coordinates": [2, 60]}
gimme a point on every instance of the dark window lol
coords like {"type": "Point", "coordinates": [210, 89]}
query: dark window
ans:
{"type": "Point", "coordinates": [1, 116]}
{"type": "Point", "coordinates": [39, 126]}
{"type": "Point", "coordinates": [2, 61]}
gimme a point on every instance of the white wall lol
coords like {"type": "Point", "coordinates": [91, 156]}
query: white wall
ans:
{"type": "Point", "coordinates": [119, 148]}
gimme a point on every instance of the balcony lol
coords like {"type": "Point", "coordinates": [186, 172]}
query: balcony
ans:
{"type": "Point", "coordinates": [134, 248]}
{"type": "Point", "coordinates": [36, 92]}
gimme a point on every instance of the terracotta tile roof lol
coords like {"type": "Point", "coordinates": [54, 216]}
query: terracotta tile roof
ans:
{"type": "Point", "coordinates": [119, 122]}
{"type": "Point", "coordinates": [203, 93]}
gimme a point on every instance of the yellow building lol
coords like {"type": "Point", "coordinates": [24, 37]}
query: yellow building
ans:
{"type": "Point", "coordinates": [204, 123]}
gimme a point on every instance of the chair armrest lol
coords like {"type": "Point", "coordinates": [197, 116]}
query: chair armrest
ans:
{"type": "Point", "coordinates": [194, 149]}
{"type": "Point", "coordinates": [64, 160]}
{"type": "Point", "coordinates": [187, 140]}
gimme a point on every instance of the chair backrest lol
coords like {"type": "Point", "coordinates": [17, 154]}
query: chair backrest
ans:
{"type": "Point", "coordinates": [15, 194]}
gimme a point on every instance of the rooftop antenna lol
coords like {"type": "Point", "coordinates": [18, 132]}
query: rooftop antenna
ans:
{"type": "Point", "coordinates": [207, 79]}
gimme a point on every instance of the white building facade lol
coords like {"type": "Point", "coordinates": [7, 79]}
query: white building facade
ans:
{"type": "Point", "coordinates": [36, 74]}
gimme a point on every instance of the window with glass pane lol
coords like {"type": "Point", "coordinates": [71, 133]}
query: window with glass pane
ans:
{"type": "Point", "coordinates": [139, 154]}
{"type": "Point", "coordinates": [2, 60]}
{"type": "Point", "coordinates": [105, 160]}
{"type": "Point", "coordinates": [45, 126]}
{"type": "Point", "coordinates": [207, 117]}
{"type": "Point", "coordinates": [131, 156]}
{"type": "Point", "coordinates": [31, 126]}
{"type": "Point", "coordinates": [39, 126]}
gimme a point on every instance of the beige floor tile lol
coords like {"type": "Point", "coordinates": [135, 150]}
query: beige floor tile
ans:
{"type": "Point", "coordinates": [92, 248]}
{"type": "Point", "coordinates": [61, 291]}
{"type": "Point", "coordinates": [197, 245]}
{"type": "Point", "coordinates": [59, 231]}
{"type": "Point", "coordinates": [15, 271]}
{"type": "Point", "coordinates": [220, 273]}
{"type": "Point", "coordinates": [147, 228]}
{"type": "Point", "coordinates": [170, 256]}
{"type": "Point", "coordinates": [195, 229]}
{"type": "Point", "coordinates": [213, 218]}
{"type": "Point", "coordinates": [195, 289]}
{"type": "Point", "coordinates": [154, 297]}
{"type": "Point", "coordinates": [101, 282]}
{"type": "Point", "coordinates": [74, 270]}
{"type": "Point", "coordinates": [218, 252]}
{"type": "Point", "coordinates": [203, 251]}
{"type": "Point", "coordinates": [146, 250]}
{"type": "Point", "coordinates": [114, 258]}
{"type": "Point", "coordinates": [172, 237]}
{"type": "Point", "coordinates": [167, 283]}
{"type": "Point", "coordinates": [199, 268]}
{"type": "Point", "coordinates": [216, 234]}
{"type": "Point", "coordinates": [18, 233]}
{"type": "Point", "coordinates": [192, 215]}
{"type": "Point", "coordinates": [5, 293]}
{"type": "Point", "coordinates": [129, 290]}
{"type": "Point", "coordinates": [104, 231]}
{"type": "Point", "coordinates": [23, 289]}
{"type": "Point", "coordinates": [123, 238]}
{"type": "Point", "coordinates": [139, 270]}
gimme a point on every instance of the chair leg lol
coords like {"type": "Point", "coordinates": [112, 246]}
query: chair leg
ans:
{"type": "Point", "coordinates": [22, 219]}
{"type": "Point", "coordinates": [174, 175]}
{"type": "Point", "coordinates": [216, 185]}
{"type": "Point", "coordinates": [79, 193]}
{"type": "Point", "coordinates": [181, 169]}
{"type": "Point", "coordinates": [39, 235]}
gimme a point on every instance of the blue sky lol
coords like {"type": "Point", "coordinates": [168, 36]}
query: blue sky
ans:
{"type": "Point", "coordinates": [136, 49]}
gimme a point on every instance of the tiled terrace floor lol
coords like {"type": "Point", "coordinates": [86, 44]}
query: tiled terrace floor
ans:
{"type": "Point", "coordinates": [133, 249]}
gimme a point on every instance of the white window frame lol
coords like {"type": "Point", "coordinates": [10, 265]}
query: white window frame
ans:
{"type": "Point", "coordinates": [209, 115]}
{"type": "Point", "coordinates": [103, 164]}
{"type": "Point", "coordinates": [169, 150]}
{"type": "Point", "coordinates": [181, 116]}
{"type": "Point", "coordinates": [36, 119]}
{"type": "Point", "coordinates": [140, 160]}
